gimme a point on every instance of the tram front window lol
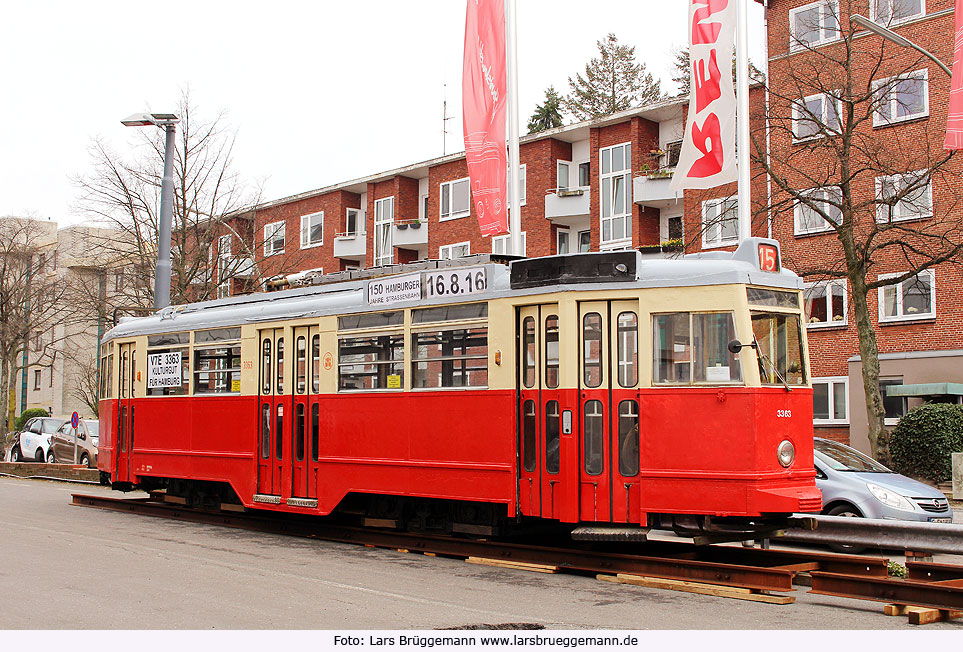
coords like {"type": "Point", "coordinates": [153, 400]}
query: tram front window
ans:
{"type": "Point", "coordinates": [780, 351]}
{"type": "Point", "coordinates": [690, 348]}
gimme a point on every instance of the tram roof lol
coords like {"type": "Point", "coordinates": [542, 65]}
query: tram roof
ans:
{"type": "Point", "coordinates": [351, 296]}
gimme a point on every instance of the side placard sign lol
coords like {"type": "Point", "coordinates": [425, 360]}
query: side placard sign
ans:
{"type": "Point", "coordinates": [164, 370]}
{"type": "Point", "coordinates": [427, 285]}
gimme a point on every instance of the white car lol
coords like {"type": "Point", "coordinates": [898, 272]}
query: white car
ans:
{"type": "Point", "coordinates": [35, 439]}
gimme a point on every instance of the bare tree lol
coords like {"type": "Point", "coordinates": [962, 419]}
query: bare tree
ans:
{"type": "Point", "coordinates": [209, 195]}
{"type": "Point", "coordinates": [32, 300]}
{"type": "Point", "coordinates": [838, 165]}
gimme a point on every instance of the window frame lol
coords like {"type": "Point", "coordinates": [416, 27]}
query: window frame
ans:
{"type": "Point", "coordinates": [625, 217]}
{"type": "Point", "coordinates": [309, 217]}
{"type": "Point", "coordinates": [874, 13]}
{"type": "Point", "coordinates": [828, 284]}
{"type": "Point", "coordinates": [831, 381]}
{"type": "Point", "coordinates": [504, 241]}
{"type": "Point", "coordinates": [439, 329]}
{"type": "Point", "coordinates": [449, 248]}
{"type": "Point", "coordinates": [887, 84]}
{"type": "Point", "coordinates": [799, 206]}
{"type": "Point", "coordinates": [898, 181]}
{"type": "Point", "coordinates": [721, 242]}
{"type": "Point", "coordinates": [270, 241]}
{"type": "Point", "coordinates": [894, 380]}
{"type": "Point", "coordinates": [559, 163]}
{"type": "Point", "coordinates": [452, 215]}
{"type": "Point", "coordinates": [381, 222]}
{"type": "Point", "coordinates": [796, 44]}
{"type": "Point", "coordinates": [800, 113]}
{"type": "Point", "coordinates": [902, 317]}
{"type": "Point", "coordinates": [358, 222]}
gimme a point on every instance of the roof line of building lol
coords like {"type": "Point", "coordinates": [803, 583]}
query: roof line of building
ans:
{"type": "Point", "coordinates": [548, 133]}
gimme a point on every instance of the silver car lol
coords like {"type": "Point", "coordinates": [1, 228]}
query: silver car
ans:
{"type": "Point", "coordinates": [856, 485]}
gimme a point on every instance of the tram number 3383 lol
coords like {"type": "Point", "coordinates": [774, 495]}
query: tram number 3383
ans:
{"type": "Point", "coordinates": [446, 283]}
{"type": "Point", "coordinates": [785, 414]}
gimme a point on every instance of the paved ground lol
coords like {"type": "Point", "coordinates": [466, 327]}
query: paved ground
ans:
{"type": "Point", "coordinates": [73, 567]}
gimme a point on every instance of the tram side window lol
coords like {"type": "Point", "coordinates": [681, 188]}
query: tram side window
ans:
{"type": "Point", "coordinates": [593, 438]}
{"type": "Point", "coordinates": [592, 355]}
{"type": "Point", "coordinates": [692, 348]}
{"type": "Point", "coordinates": [628, 347]}
{"type": "Point", "coordinates": [529, 426]}
{"type": "Point", "coordinates": [371, 362]}
{"type": "Point", "coordinates": [551, 436]}
{"type": "Point", "coordinates": [315, 364]}
{"type": "Point", "coordinates": [628, 438]}
{"type": "Point", "coordinates": [265, 431]}
{"type": "Point", "coordinates": [300, 369]}
{"type": "Point", "coordinates": [450, 358]}
{"type": "Point", "coordinates": [217, 370]}
{"type": "Point", "coordinates": [106, 371]}
{"type": "Point", "coordinates": [168, 364]}
{"type": "Point", "coordinates": [780, 348]}
{"type": "Point", "coordinates": [551, 352]}
{"type": "Point", "coordinates": [529, 363]}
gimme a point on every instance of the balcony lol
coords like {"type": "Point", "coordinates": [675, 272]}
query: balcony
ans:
{"type": "Point", "coordinates": [653, 191]}
{"type": "Point", "coordinates": [244, 268]}
{"type": "Point", "coordinates": [562, 204]}
{"type": "Point", "coordinates": [350, 245]}
{"type": "Point", "coordinates": [410, 234]}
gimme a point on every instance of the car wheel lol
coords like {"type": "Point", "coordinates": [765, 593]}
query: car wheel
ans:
{"type": "Point", "coordinates": [847, 511]}
{"type": "Point", "coordinates": [39, 455]}
{"type": "Point", "coordinates": [85, 460]}
{"type": "Point", "coordinates": [51, 458]}
{"type": "Point", "coordinates": [15, 454]}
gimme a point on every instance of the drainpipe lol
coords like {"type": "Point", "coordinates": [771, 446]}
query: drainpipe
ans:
{"type": "Point", "coordinates": [765, 24]}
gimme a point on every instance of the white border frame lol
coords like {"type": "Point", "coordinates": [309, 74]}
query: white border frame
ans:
{"type": "Point", "coordinates": [800, 114]}
{"type": "Point", "coordinates": [828, 283]}
{"type": "Point", "coordinates": [900, 177]}
{"type": "Point", "coordinates": [873, 4]}
{"type": "Point", "coordinates": [505, 239]}
{"type": "Point", "coordinates": [301, 233]}
{"type": "Point", "coordinates": [451, 194]}
{"type": "Point", "coordinates": [798, 206]}
{"type": "Point", "coordinates": [451, 246]}
{"type": "Point", "coordinates": [902, 317]}
{"type": "Point", "coordinates": [879, 121]}
{"type": "Point", "coordinates": [626, 240]}
{"type": "Point", "coordinates": [796, 45]}
{"type": "Point", "coordinates": [706, 244]}
{"type": "Point", "coordinates": [270, 240]}
{"type": "Point", "coordinates": [388, 258]}
{"type": "Point", "coordinates": [831, 380]}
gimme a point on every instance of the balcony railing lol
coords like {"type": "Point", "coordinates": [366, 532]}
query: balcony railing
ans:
{"type": "Point", "coordinates": [653, 190]}
{"type": "Point", "coordinates": [409, 233]}
{"type": "Point", "coordinates": [350, 245]}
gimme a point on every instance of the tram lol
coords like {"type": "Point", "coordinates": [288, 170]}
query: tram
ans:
{"type": "Point", "coordinates": [598, 388]}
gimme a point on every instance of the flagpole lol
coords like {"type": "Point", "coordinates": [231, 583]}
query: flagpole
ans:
{"type": "Point", "coordinates": [515, 211]}
{"type": "Point", "coordinates": [742, 118]}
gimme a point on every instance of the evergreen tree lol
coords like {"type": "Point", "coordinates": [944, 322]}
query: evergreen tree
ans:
{"type": "Point", "coordinates": [547, 115]}
{"type": "Point", "coordinates": [680, 69]}
{"type": "Point", "coordinates": [613, 82]}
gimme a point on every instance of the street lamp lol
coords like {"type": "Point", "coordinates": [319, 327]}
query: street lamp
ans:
{"type": "Point", "coordinates": [892, 36]}
{"type": "Point", "coordinates": [162, 275]}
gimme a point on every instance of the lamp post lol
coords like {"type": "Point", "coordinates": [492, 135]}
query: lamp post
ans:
{"type": "Point", "coordinates": [892, 36]}
{"type": "Point", "coordinates": [162, 275]}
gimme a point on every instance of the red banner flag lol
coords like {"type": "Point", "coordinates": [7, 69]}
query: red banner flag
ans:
{"type": "Point", "coordinates": [954, 121]}
{"type": "Point", "coordinates": [708, 157]}
{"type": "Point", "coordinates": [484, 105]}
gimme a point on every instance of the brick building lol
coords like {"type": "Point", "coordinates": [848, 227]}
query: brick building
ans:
{"type": "Point", "coordinates": [603, 184]}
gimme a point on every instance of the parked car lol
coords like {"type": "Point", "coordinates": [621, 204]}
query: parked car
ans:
{"type": "Point", "coordinates": [62, 444]}
{"type": "Point", "coordinates": [856, 485]}
{"type": "Point", "coordinates": [33, 442]}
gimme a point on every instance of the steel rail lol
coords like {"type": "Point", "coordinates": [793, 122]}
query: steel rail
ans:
{"type": "Point", "coordinates": [761, 578]}
{"type": "Point", "coordinates": [937, 595]}
{"type": "Point", "coordinates": [881, 533]}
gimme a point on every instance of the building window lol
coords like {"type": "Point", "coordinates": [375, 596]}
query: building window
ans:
{"type": "Point", "coordinates": [888, 12]}
{"type": "Point", "coordinates": [383, 219]}
{"type": "Point", "coordinates": [825, 303]}
{"type": "Point", "coordinates": [904, 197]}
{"type": "Point", "coordinates": [452, 251]}
{"type": "Point", "coordinates": [673, 151]}
{"type": "Point", "coordinates": [562, 174]}
{"type": "Point", "coordinates": [615, 182]}
{"type": "Point", "coordinates": [274, 238]}
{"type": "Point", "coordinates": [914, 298]}
{"type": "Point", "coordinates": [813, 24]}
{"type": "Point", "coordinates": [901, 98]}
{"type": "Point", "coordinates": [118, 280]}
{"type": "Point", "coordinates": [522, 181]}
{"type": "Point", "coordinates": [584, 241]}
{"type": "Point", "coordinates": [36, 379]}
{"type": "Point", "coordinates": [455, 199]}
{"type": "Point", "coordinates": [584, 175]}
{"type": "Point", "coordinates": [224, 246]}
{"type": "Point", "coordinates": [809, 219]}
{"type": "Point", "coordinates": [815, 115]}
{"type": "Point", "coordinates": [830, 405]}
{"type": "Point", "coordinates": [312, 230]}
{"type": "Point", "coordinates": [563, 242]}
{"type": "Point", "coordinates": [353, 221]}
{"type": "Point", "coordinates": [720, 222]}
{"type": "Point", "coordinates": [894, 406]}
{"type": "Point", "coordinates": [501, 244]}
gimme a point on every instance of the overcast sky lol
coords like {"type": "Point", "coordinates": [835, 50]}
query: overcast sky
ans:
{"type": "Point", "coordinates": [319, 92]}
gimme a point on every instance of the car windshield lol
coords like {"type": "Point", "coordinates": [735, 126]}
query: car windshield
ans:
{"type": "Point", "coordinates": [93, 427]}
{"type": "Point", "coordinates": [844, 458]}
{"type": "Point", "coordinates": [50, 425]}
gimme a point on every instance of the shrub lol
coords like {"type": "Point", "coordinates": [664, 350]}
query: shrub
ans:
{"type": "Point", "coordinates": [922, 442]}
{"type": "Point", "coordinates": [29, 414]}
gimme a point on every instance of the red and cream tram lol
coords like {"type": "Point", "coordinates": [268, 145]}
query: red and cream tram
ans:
{"type": "Point", "coordinates": [589, 388]}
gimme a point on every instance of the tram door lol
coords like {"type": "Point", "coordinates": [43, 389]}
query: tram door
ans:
{"type": "Point", "coordinates": [125, 412]}
{"type": "Point", "coordinates": [609, 411]}
{"type": "Point", "coordinates": [271, 417]}
{"type": "Point", "coordinates": [539, 410]}
{"type": "Point", "coordinates": [305, 413]}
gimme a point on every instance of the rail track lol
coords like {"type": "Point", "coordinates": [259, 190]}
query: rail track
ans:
{"type": "Point", "coordinates": [751, 573]}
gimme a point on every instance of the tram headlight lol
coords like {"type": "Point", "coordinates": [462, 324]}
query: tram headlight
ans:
{"type": "Point", "coordinates": [786, 453]}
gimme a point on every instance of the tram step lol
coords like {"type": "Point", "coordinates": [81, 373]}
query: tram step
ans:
{"type": "Point", "coordinates": [609, 533]}
{"type": "Point", "coordinates": [265, 498]}
{"type": "Point", "coordinates": [302, 502]}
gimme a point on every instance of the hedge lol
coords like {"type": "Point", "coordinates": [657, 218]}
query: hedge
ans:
{"type": "Point", "coordinates": [29, 414]}
{"type": "Point", "coordinates": [922, 442]}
